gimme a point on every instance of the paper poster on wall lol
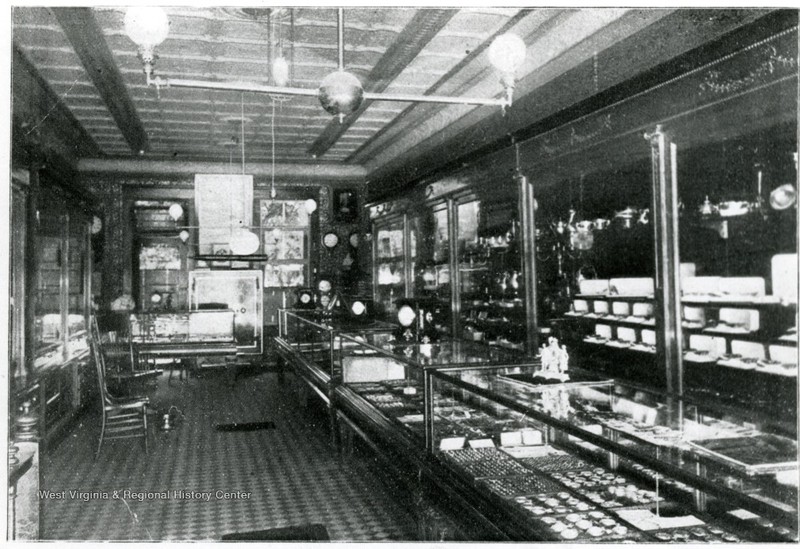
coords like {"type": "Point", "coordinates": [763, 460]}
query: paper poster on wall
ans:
{"type": "Point", "coordinates": [288, 275]}
{"type": "Point", "coordinates": [159, 257]}
{"type": "Point", "coordinates": [284, 213]}
{"type": "Point", "coordinates": [281, 244]}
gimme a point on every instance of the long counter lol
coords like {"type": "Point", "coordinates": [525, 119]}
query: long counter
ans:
{"type": "Point", "coordinates": [520, 458]}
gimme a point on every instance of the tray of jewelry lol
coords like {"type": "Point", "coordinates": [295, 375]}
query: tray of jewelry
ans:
{"type": "Point", "coordinates": [555, 463]}
{"type": "Point", "coordinates": [618, 496]}
{"type": "Point", "coordinates": [561, 503]}
{"type": "Point", "coordinates": [590, 479]}
{"type": "Point", "coordinates": [758, 454]}
{"type": "Point", "coordinates": [528, 484]}
{"type": "Point", "coordinates": [696, 534]}
{"type": "Point", "coordinates": [592, 525]}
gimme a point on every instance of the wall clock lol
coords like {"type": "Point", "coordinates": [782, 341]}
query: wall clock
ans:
{"type": "Point", "coordinates": [324, 285]}
{"type": "Point", "coordinates": [330, 240]}
{"type": "Point", "coordinates": [305, 298]}
{"type": "Point", "coordinates": [354, 239]}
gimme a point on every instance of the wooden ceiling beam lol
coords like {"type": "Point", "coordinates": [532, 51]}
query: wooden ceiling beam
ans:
{"type": "Point", "coordinates": [425, 24]}
{"type": "Point", "coordinates": [86, 37]}
{"type": "Point", "coordinates": [513, 21]}
{"type": "Point", "coordinates": [44, 121]}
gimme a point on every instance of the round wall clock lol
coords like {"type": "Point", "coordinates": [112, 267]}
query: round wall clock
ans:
{"type": "Point", "coordinates": [305, 298]}
{"type": "Point", "coordinates": [97, 225]}
{"type": "Point", "coordinates": [330, 240]}
{"type": "Point", "coordinates": [354, 239]}
{"type": "Point", "coordinates": [358, 308]}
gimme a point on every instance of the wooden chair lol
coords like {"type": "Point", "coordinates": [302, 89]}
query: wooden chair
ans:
{"type": "Point", "coordinates": [121, 358]}
{"type": "Point", "coordinates": [123, 417]}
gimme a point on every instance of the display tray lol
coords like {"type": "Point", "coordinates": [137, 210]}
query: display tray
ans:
{"type": "Point", "coordinates": [761, 454]}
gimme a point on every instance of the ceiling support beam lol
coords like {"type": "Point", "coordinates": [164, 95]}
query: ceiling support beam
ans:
{"type": "Point", "coordinates": [85, 35]}
{"type": "Point", "coordinates": [443, 80]}
{"type": "Point", "coordinates": [283, 170]}
{"type": "Point", "coordinates": [41, 119]}
{"type": "Point", "coordinates": [412, 39]}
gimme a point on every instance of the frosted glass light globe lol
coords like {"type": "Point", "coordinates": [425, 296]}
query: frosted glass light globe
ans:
{"type": "Point", "coordinates": [244, 242]}
{"type": "Point", "coordinates": [311, 205]}
{"type": "Point", "coordinates": [406, 316]}
{"type": "Point", "coordinates": [507, 52]}
{"type": "Point", "coordinates": [280, 71]}
{"type": "Point", "coordinates": [146, 26]}
{"type": "Point", "coordinates": [176, 211]}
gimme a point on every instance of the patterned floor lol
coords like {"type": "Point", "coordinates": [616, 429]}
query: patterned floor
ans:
{"type": "Point", "coordinates": [292, 475]}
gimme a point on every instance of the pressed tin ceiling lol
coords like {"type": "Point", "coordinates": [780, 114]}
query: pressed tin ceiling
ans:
{"type": "Point", "coordinates": [393, 50]}
{"type": "Point", "coordinates": [232, 44]}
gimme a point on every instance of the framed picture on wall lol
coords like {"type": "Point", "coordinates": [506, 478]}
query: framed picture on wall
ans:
{"type": "Point", "coordinates": [345, 205]}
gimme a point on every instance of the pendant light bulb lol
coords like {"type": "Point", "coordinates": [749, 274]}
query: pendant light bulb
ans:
{"type": "Point", "coordinates": [280, 71]}
{"type": "Point", "coordinates": [507, 52]}
{"type": "Point", "coordinates": [311, 205]}
{"type": "Point", "coordinates": [146, 26]}
{"type": "Point", "coordinates": [184, 235]}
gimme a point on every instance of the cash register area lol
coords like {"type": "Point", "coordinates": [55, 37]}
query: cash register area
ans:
{"type": "Point", "coordinates": [288, 473]}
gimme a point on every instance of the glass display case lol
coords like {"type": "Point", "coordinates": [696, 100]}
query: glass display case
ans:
{"type": "Point", "coordinates": [191, 326]}
{"type": "Point", "coordinates": [312, 340]}
{"type": "Point", "coordinates": [389, 263]}
{"type": "Point", "coordinates": [390, 374]}
{"type": "Point", "coordinates": [58, 372]}
{"type": "Point", "coordinates": [61, 297]}
{"type": "Point", "coordinates": [628, 462]}
{"type": "Point", "coordinates": [465, 261]}
{"type": "Point", "coordinates": [429, 239]}
{"type": "Point", "coordinates": [491, 296]}
{"type": "Point", "coordinates": [710, 186]}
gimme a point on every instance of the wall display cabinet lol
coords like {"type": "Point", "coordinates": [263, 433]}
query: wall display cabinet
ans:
{"type": "Point", "coordinates": [161, 256]}
{"type": "Point", "coordinates": [709, 178]}
{"type": "Point", "coordinates": [390, 253]}
{"type": "Point", "coordinates": [463, 253]}
{"type": "Point", "coordinates": [56, 374]}
{"type": "Point", "coordinates": [491, 297]}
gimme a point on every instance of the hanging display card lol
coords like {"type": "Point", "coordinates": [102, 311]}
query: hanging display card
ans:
{"type": "Point", "coordinates": [224, 202]}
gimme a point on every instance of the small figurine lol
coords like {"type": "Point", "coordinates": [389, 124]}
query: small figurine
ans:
{"type": "Point", "coordinates": [555, 361]}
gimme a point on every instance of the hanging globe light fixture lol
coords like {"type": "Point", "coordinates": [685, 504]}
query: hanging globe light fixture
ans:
{"type": "Point", "coordinates": [340, 93]}
{"type": "Point", "coordinates": [244, 242]}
